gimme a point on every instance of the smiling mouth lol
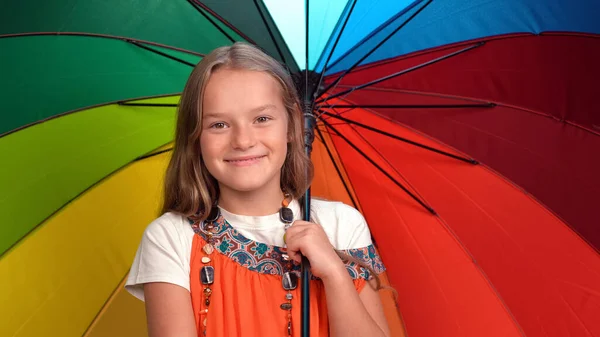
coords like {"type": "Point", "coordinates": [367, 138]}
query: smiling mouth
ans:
{"type": "Point", "coordinates": [244, 161]}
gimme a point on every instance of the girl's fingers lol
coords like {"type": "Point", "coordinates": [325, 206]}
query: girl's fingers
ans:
{"type": "Point", "coordinates": [299, 226]}
{"type": "Point", "coordinates": [293, 230]}
{"type": "Point", "coordinates": [295, 256]}
{"type": "Point", "coordinates": [293, 249]}
{"type": "Point", "coordinates": [295, 237]}
{"type": "Point", "coordinates": [294, 242]}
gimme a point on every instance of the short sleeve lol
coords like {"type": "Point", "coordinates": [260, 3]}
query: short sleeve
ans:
{"type": "Point", "coordinates": [360, 245]}
{"type": "Point", "coordinates": [162, 256]}
{"type": "Point", "coordinates": [367, 256]}
{"type": "Point", "coordinates": [352, 220]}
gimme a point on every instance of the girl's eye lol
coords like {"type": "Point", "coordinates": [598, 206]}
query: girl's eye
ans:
{"type": "Point", "coordinates": [219, 125]}
{"type": "Point", "coordinates": [263, 119]}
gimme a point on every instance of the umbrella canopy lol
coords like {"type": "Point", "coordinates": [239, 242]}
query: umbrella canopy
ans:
{"type": "Point", "coordinates": [465, 131]}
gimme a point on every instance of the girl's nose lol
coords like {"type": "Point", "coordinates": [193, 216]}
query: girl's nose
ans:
{"type": "Point", "coordinates": [243, 138]}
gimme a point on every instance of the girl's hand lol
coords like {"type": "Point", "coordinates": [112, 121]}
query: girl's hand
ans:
{"type": "Point", "coordinates": [310, 240]}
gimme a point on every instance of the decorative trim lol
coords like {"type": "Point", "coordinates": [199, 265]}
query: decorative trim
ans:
{"type": "Point", "coordinates": [266, 259]}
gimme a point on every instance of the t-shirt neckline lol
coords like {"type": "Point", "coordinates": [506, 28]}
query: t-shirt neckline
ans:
{"type": "Point", "coordinates": [262, 222]}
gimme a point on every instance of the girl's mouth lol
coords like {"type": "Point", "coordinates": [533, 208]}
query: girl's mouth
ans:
{"type": "Point", "coordinates": [244, 161]}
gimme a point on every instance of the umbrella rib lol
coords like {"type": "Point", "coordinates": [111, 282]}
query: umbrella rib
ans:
{"type": "Point", "coordinates": [375, 48]}
{"type": "Point", "coordinates": [413, 106]}
{"type": "Point", "coordinates": [471, 99]}
{"type": "Point", "coordinates": [225, 22]}
{"type": "Point", "coordinates": [337, 39]}
{"type": "Point", "coordinates": [122, 38]}
{"type": "Point", "coordinates": [82, 109]}
{"type": "Point", "coordinates": [370, 160]}
{"type": "Point", "coordinates": [153, 154]}
{"type": "Point", "coordinates": [164, 105]}
{"type": "Point", "coordinates": [337, 169]}
{"type": "Point", "coordinates": [105, 306]}
{"type": "Point", "coordinates": [402, 72]}
{"type": "Point", "coordinates": [306, 50]}
{"type": "Point", "coordinates": [370, 108]}
{"type": "Point", "coordinates": [195, 5]}
{"type": "Point", "coordinates": [90, 187]}
{"type": "Point", "coordinates": [264, 20]}
{"type": "Point", "coordinates": [386, 160]}
{"type": "Point", "coordinates": [137, 44]}
{"type": "Point", "coordinates": [370, 128]}
{"type": "Point", "coordinates": [377, 31]}
{"type": "Point", "coordinates": [424, 93]}
{"type": "Point", "coordinates": [339, 123]}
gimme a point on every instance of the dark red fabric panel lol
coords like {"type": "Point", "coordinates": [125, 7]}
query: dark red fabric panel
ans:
{"type": "Point", "coordinates": [554, 74]}
{"type": "Point", "coordinates": [556, 162]}
{"type": "Point", "coordinates": [489, 235]}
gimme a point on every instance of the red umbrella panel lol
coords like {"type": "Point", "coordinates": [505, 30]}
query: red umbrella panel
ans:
{"type": "Point", "coordinates": [470, 253]}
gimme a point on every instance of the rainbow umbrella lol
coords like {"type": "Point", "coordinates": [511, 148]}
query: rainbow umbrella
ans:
{"type": "Point", "coordinates": [466, 132]}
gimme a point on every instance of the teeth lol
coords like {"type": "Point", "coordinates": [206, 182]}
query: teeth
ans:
{"type": "Point", "coordinates": [242, 160]}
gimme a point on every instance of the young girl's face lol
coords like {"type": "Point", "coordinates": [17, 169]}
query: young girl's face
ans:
{"type": "Point", "coordinates": [244, 130]}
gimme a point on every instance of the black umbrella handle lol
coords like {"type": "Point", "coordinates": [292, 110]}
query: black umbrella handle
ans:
{"type": "Point", "coordinates": [305, 285]}
{"type": "Point", "coordinates": [305, 276]}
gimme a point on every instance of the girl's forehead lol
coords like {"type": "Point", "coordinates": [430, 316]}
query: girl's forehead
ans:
{"type": "Point", "coordinates": [241, 90]}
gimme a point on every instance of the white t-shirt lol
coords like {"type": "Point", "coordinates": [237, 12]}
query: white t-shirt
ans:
{"type": "Point", "coordinates": [165, 249]}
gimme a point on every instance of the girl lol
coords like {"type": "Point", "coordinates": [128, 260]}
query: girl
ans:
{"type": "Point", "coordinates": [223, 258]}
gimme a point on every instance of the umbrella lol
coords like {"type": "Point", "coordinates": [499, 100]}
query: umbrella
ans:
{"type": "Point", "coordinates": [465, 132]}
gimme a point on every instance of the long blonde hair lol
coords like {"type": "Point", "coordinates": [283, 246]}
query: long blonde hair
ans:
{"type": "Point", "coordinates": [189, 188]}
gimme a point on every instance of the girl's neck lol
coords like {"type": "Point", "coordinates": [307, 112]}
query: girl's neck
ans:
{"type": "Point", "coordinates": [254, 203]}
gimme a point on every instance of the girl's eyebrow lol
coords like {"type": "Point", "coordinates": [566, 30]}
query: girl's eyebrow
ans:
{"type": "Point", "coordinates": [263, 108]}
{"type": "Point", "coordinates": [211, 115]}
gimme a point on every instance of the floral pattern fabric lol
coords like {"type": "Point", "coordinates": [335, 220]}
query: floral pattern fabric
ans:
{"type": "Point", "coordinates": [267, 259]}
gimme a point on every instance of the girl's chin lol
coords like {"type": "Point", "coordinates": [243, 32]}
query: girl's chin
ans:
{"type": "Point", "coordinates": [248, 185]}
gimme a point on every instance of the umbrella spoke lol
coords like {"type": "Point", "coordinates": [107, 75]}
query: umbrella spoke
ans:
{"type": "Point", "coordinates": [412, 106]}
{"type": "Point", "coordinates": [137, 44]}
{"type": "Point", "coordinates": [402, 72]}
{"type": "Point", "coordinates": [337, 39]}
{"type": "Point", "coordinates": [225, 22]}
{"type": "Point", "coordinates": [370, 160]}
{"type": "Point", "coordinates": [83, 109]}
{"type": "Point", "coordinates": [339, 123]}
{"type": "Point", "coordinates": [422, 93]}
{"type": "Point", "coordinates": [370, 128]}
{"type": "Point", "coordinates": [337, 169]}
{"type": "Point", "coordinates": [210, 20]}
{"type": "Point", "coordinates": [162, 105]}
{"type": "Point", "coordinates": [385, 159]}
{"type": "Point", "coordinates": [105, 36]}
{"type": "Point", "coordinates": [357, 63]}
{"type": "Point", "coordinates": [306, 52]}
{"type": "Point", "coordinates": [264, 20]}
{"type": "Point", "coordinates": [153, 154]}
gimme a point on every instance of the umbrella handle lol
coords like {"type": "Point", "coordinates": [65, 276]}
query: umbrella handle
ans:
{"type": "Point", "coordinates": [305, 277]}
{"type": "Point", "coordinates": [309, 136]}
{"type": "Point", "coordinates": [305, 291]}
